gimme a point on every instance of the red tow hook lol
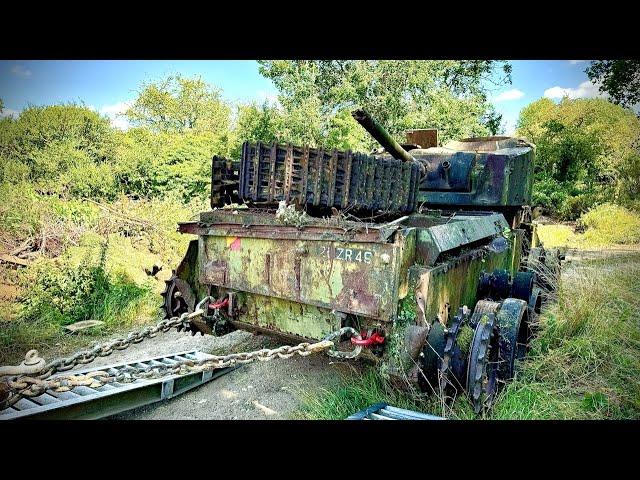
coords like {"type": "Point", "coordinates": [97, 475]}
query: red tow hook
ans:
{"type": "Point", "coordinates": [217, 305]}
{"type": "Point", "coordinates": [374, 339]}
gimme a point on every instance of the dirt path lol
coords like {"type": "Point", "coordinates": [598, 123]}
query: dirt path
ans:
{"type": "Point", "coordinates": [260, 390]}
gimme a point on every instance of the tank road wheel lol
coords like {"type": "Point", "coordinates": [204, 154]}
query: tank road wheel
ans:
{"type": "Point", "coordinates": [453, 368]}
{"type": "Point", "coordinates": [482, 307]}
{"type": "Point", "coordinates": [522, 286]}
{"type": "Point", "coordinates": [482, 372]}
{"type": "Point", "coordinates": [514, 335]}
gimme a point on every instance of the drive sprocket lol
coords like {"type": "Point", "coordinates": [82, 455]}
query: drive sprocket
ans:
{"type": "Point", "coordinates": [454, 359]}
{"type": "Point", "coordinates": [483, 363]}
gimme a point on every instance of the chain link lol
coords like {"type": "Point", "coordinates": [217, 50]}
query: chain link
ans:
{"type": "Point", "coordinates": [33, 386]}
{"type": "Point", "coordinates": [104, 350]}
{"type": "Point", "coordinates": [18, 387]}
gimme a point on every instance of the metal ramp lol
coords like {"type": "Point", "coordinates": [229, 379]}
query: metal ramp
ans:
{"type": "Point", "coordinates": [93, 403]}
{"type": "Point", "coordinates": [383, 411]}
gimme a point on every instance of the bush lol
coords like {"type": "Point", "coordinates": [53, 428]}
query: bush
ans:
{"type": "Point", "coordinates": [610, 223]}
{"type": "Point", "coordinates": [68, 290]}
{"type": "Point", "coordinates": [566, 200]}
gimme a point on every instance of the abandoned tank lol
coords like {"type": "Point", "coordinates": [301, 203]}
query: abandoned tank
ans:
{"type": "Point", "coordinates": [429, 254]}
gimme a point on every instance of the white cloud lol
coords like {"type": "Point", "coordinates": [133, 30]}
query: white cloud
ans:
{"type": "Point", "coordinates": [585, 90]}
{"type": "Point", "coordinates": [512, 94]}
{"type": "Point", "coordinates": [8, 112]}
{"type": "Point", "coordinates": [21, 71]}
{"type": "Point", "coordinates": [115, 113]}
{"type": "Point", "coordinates": [576, 62]}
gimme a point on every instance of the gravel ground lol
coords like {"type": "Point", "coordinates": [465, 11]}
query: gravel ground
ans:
{"type": "Point", "coordinates": [255, 391]}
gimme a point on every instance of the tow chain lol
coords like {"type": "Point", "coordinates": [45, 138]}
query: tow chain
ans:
{"type": "Point", "coordinates": [16, 387]}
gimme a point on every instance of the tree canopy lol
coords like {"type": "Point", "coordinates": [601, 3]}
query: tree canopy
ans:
{"type": "Point", "coordinates": [619, 78]}
{"type": "Point", "coordinates": [317, 97]}
{"type": "Point", "coordinates": [587, 149]}
{"type": "Point", "coordinates": [177, 104]}
{"type": "Point", "coordinates": [586, 152]}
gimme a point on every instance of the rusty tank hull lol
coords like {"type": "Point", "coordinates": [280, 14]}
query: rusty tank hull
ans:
{"type": "Point", "coordinates": [445, 273]}
{"type": "Point", "coordinates": [280, 273]}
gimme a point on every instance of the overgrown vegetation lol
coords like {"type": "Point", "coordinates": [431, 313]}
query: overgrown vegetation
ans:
{"type": "Point", "coordinates": [583, 364]}
{"type": "Point", "coordinates": [587, 154]}
{"type": "Point", "coordinates": [605, 226]}
{"type": "Point", "coordinates": [87, 210]}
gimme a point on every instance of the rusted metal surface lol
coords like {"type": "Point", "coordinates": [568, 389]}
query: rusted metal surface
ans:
{"type": "Point", "coordinates": [326, 178]}
{"type": "Point", "coordinates": [224, 181]}
{"type": "Point", "coordinates": [485, 172]}
{"type": "Point", "coordinates": [424, 137]}
{"type": "Point", "coordinates": [352, 277]}
{"type": "Point", "coordinates": [453, 233]}
{"type": "Point", "coordinates": [291, 279]}
{"type": "Point", "coordinates": [240, 223]}
{"type": "Point", "coordinates": [454, 283]}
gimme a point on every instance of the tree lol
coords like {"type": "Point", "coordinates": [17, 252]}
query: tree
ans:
{"type": "Point", "coordinates": [619, 78]}
{"type": "Point", "coordinates": [587, 152]}
{"type": "Point", "coordinates": [449, 95]}
{"type": "Point", "coordinates": [65, 150]}
{"type": "Point", "coordinates": [177, 104]}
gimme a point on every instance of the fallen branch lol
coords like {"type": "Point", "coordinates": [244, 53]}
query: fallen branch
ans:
{"type": "Point", "coordinates": [25, 246]}
{"type": "Point", "coordinates": [124, 217]}
{"type": "Point", "coordinates": [14, 260]}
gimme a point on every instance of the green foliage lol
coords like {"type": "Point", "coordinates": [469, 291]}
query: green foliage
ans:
{"type": "Point", "coordinates": [619, 78]}
{"type": "Point", "coordinates": [256, 123]}
{"type": "Point", "coordinates": [155, 165]}
{"type": "Point", "coordinates": [62, 150]}
{"type": "Point", "coordinates": [584, 362]}
{"type": "Point", "coordinates": [318, 96]}
{"type": "Point", "coordinates": [587, 152]}
{"type": "Point", "coordinates": [611, 224]}
{"type": "Point", "coordinates": [178, 104]}
{"type": "Point", "coordinates": [65, 291]}
{"type": "Point", "coordinates": [604, 226]}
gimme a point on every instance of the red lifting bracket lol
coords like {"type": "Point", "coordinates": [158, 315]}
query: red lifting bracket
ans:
{"type": "Point", "coordinates": [217, 305]}
{"type": "Point", "coordinates": [374, 339]}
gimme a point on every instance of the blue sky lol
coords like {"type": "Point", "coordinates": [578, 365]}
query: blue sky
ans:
{"type": "Point", "coordinates": [108, 85]}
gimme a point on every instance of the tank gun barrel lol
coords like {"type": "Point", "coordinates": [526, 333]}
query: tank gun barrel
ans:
{"type": "Point", "coordinates": [383, 137]}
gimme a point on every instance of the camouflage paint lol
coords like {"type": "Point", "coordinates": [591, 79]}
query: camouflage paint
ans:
{"type": "Point", "coordinates": [292, 279]}
{"type": "Point", "coordinates": [448, 286]}
{"type": "Point", "coordinates": [356, 278]}
{"type": "Point", "coordinates": [500, 178]}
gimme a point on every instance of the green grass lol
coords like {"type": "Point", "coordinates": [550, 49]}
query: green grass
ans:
{"type": "Point", "coordinates": [584, 363]}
